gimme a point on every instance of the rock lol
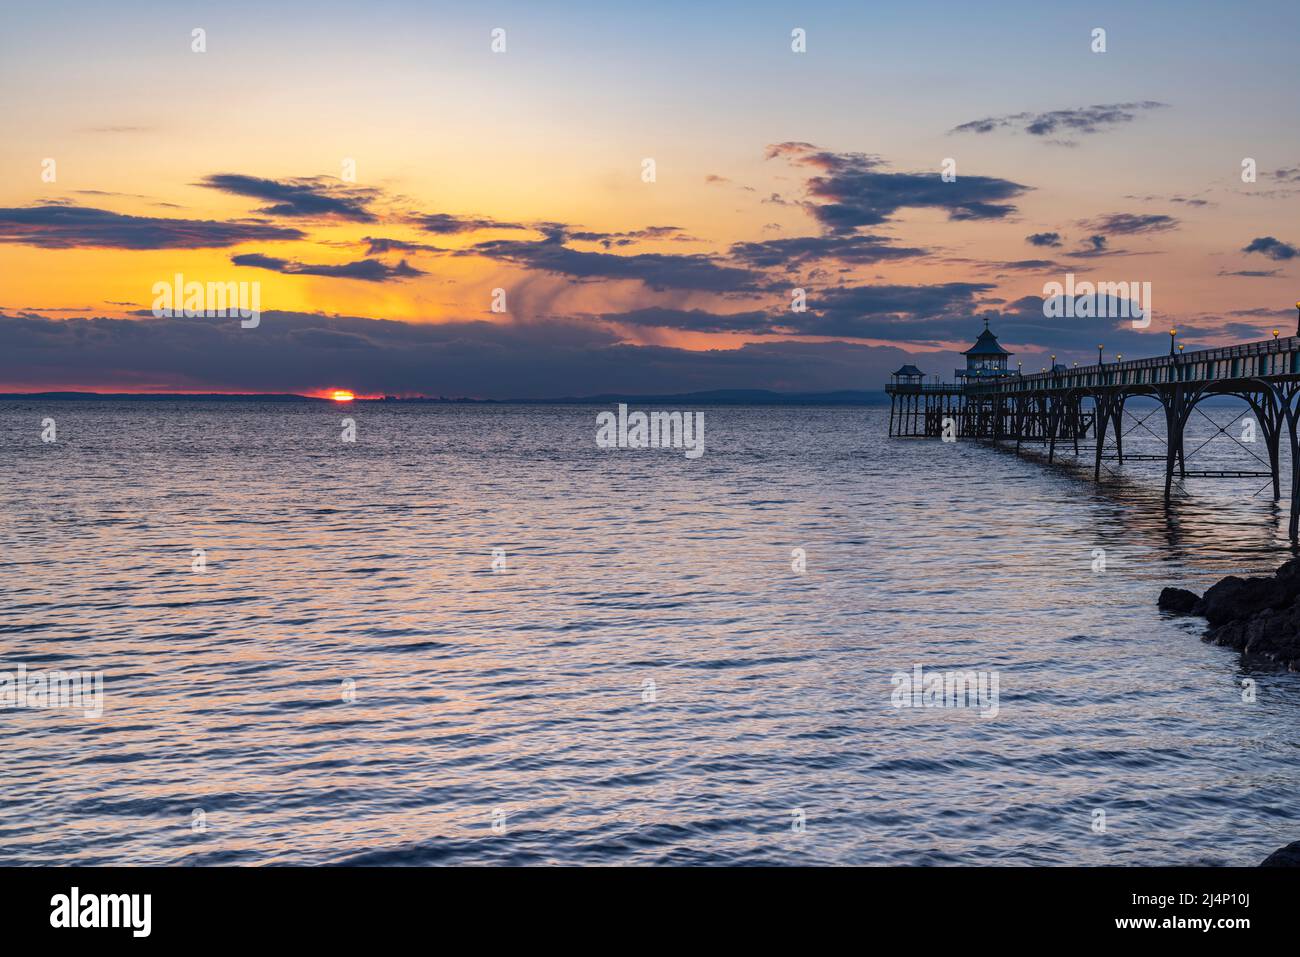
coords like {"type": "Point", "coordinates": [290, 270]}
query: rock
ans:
{"type": "Point", "coordinates": [1288, 856]}
{"type": "Point", "coordinates": [1256, 616]}
{"type": "Point", "coordinates": [1178, 600]}
{"type": "Point", "coordinates": [1267, 634]}
{"type": "Point", "coordinates": [1235, 598]}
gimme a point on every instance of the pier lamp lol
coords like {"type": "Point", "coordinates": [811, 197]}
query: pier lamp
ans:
{"type": "Point", "coordinates": [1101, 349]}
{"type": "Point", "coordinates": [1275, 335]}
{"type": "Point", "coordinates": [1119, 357]}
{"type": "Point", "coordinates": [1173, 334]}
{"type": "Point", "coordinates": [1180, 348]}
{"type": "Point", "coordinates": [1297, 321]}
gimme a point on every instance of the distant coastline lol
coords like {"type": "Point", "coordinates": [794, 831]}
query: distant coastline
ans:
{"type": "Point", "coordinates": [714, 397]}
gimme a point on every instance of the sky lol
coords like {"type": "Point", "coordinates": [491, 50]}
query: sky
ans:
{"type": "Point", "coordinates": [638, 189]}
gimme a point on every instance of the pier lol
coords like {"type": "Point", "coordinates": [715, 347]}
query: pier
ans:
{"type": "Point", "coordinates": [1065, 406]}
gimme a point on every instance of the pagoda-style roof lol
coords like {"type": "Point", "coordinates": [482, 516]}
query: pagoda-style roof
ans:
{"type": "Point", "coordinates": [986, 345]}
{"type": "Point", "coordinates": [909, 371]}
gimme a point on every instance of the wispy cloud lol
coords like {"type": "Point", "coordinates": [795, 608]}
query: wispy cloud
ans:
{"type": "Point", "coordinates": [794, 251]}
{"type": "Point", "coordinates": [1083, 120]}
{"type": "Point", "coordinates": [445, 224]}
{"type": "Point", "coordinates": [655, 270]}
{"type": "Point", "coordinates": [1128, 224]}
{"type": "Point", "coordinates": [75, 227]}
{"type": "Point", "coordinates": [377, 245]}
{"type": "Point", "coordinates": [366, 270]}
{"type": "Point", "coordinates": [304, 197]}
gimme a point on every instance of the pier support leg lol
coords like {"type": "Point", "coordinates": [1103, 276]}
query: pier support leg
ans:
{"type": "Point", "coordinates": [1100, 417]}
{"type": "Point", "coordinates": [1076, 416]}
{"type": "Point", "coordinates": [1268, 413]}
{"type": "Point", "coordinates": [1293, 527]}
{"type": "Point", "coordinates": [1117, 413]}
{"type": "Point", "coordinates": [1053, 425]}
{"type": "Point", "coordinates": [1274, 465]}
{"type": "Point", "coordinates": [1173, 403]}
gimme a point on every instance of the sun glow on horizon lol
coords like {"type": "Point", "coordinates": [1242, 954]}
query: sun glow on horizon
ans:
{"type": "Point", "coordinates": [341, 395]}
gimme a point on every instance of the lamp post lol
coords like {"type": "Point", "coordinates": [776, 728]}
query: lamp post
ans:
{"type": "Point", "coordinates": [1101, 349]}
{"type": "Point", "coordinates": [1173, 334]}
{"type": "Point", "coordinates": [1297, 319]}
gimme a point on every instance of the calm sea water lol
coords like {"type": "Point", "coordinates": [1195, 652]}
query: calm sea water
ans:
{"type": "Point", "coordinates": [364, 571]}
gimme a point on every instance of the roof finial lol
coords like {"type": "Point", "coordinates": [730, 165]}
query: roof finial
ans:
{"type": "Point", "coordinates": [986, 323]}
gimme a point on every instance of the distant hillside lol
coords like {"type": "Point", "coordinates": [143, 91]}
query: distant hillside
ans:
{"type": "Point", "coordinates": [730, 397]}
{"type": "Point", "coordinates": [715, 397]}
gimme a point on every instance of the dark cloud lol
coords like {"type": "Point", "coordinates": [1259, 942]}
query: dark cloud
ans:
{"type": "Point", "coordinates": [797, 250]}
{"type": "Point", "coordinates": [1021, 325]}
{"type": "Point", "coordinates": [1260, 312]}
{"type": "Point", "coordinates": [656, 270]}
{"type": "Point", "coordinates": [853, 190]}
{"type": "Point", "coordinates": [1027, 264]}
{"type": "Point", "coordinates": [1095, 245]}
{"type": "Point", "coordinates": [1131, 223]}
{"type": "Point", "coordinates": [309, 196]}
{"type": "Point", "coordinates": [1272, 248]}
{"type": "Point", "coordinates": [291, 352]}
{"type": "Point", "coordinates": [907, 313]}
{"type": "Point", "coordinates": [1043, 239]}
{"type": "Point", "coordinates": [376, 245]}
{"type": "Point", "coordinates": [694, 320]}
{"type": "Point", "coordinates": [627, 238]}
{"type": "Point", "coordinates": [1081, 120]}
{"type": "Point", "coordinates": [900, 312]}
{"type": "Point", "coordinates": [446, 224]}
{"type": "Point", "coordinates": [1288, 175]}
{"type": "Point", "coordinates": [367, 270]}
{"type": "Point", "coordinates": [1252, 273]}
{"type": "Point", "coordinates": [78, 227]}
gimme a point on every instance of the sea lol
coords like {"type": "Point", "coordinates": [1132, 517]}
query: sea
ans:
{"type": "Point", "coordinates": [469, 635]}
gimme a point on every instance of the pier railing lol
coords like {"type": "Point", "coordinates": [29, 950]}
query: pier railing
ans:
{"type": "Point", "coordinates": [926, 388]}
{"type": "Point", "coordinates": [1270, 357]}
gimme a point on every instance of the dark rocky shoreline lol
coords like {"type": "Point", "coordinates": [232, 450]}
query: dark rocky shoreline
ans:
{"type": "Point", "coordinates": [1259, 617]}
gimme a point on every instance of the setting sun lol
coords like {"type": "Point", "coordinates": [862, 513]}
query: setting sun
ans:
{"type": "Point", "coordinates": [342, 395]}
